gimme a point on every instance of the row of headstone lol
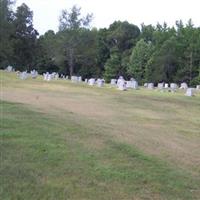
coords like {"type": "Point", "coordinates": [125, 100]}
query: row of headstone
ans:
{"type": "Point", "coordinates": [62, 76]}
{"type": "Point", "coordinates": [92, 81]}
{"type": "Point", "coordinates": [173, 87]}
{"type": "Point", "coordinates": [24, 75]}
{"type": "Point", "coordinates": [48, 77]}
{"type": "Point", "coordinates": [122, 84]}
{"type": "Point", "coordinates": [76, 79]}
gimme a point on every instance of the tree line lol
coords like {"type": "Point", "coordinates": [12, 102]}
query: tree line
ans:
{"type": "Point", "coordinates": [148, 53]}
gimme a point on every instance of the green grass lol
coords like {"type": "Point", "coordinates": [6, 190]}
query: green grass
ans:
{"type": "Point", "coordinates": [43, 157]}
{"type": "Point", "coordinates": [73, 141]}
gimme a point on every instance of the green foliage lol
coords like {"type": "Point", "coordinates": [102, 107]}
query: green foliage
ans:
{"type": "Point", "coordinates": [163, 63]}
{"type": "Point", "coordinates": [113, 66]}
{"type": "Point", "coordinates": [122, 35]}
{"type": "Point", "coordinates": [45, 53]}
{"type": "Point", "coordinates": [138, 60]}
{"type": "Point", "coordinates": [6, 32]}
{"type": "Point", "coordinates": [154, 53]}
{"type": "Point", "coordinates": [72, 20]}
{"type": "Point", "coordinates": [72, 36]}
{"type": "Point", "coordinates": [25, 38]}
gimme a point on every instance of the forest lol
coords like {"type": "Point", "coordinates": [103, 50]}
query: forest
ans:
{"type": "Point", "coordinates": [147, 53]}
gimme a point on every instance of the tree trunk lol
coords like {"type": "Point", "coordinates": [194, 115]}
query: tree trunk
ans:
{"type": "Point", "coordinates": [71, 61]}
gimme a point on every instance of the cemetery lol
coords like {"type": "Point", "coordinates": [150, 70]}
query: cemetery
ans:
{"type": "Point", "coordinates": [99, 112]}
{"type": "Point", "coordinates": [100, 122]}
{"type": "Point", "coordinates": [120, 83]}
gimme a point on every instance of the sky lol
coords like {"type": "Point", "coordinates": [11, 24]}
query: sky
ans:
{"type": "Point", "coordinates": [105, 12]}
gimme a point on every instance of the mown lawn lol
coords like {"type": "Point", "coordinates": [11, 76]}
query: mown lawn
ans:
{"type": "Point", "coordinates": [44, 157]}
{"type": "Point", "coordinates": [60, 140]}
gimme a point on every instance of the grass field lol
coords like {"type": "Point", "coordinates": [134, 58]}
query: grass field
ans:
{"type": "Point", "coordinates": [60, 140]}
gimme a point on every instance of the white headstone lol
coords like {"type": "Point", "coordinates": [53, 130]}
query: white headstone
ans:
{"type": "Point", "coordinates": [173, 87]}
{"type": "Point", "coordinates": [184, 86]}
{"type": "Point", "coordinates": [120, 80]}
{"type": "Point", "coordinates": [74, 79]}
{"type": "Point", "coordinates": [34, 74]}
{"type": "Point", "coordinates": [56, 76]}
{"type": "Point", "coordinates": [113, 82]}
{"type": "Point", "coordinates": [79, 79]}
{"type": "Point", "coordinates": [190, 92]}
{"type": "Point", "coordinates": [9, 69]}
{"type": "Point", "coordinates": [49, 77]}
{"type": "Point", "coordinates": [23, 75]}
{"type": "Point", "coordinates": [160, 86]}
{"type": "Point", "coordinates": [198, 87]}
{"type": "Point", "coordinates": [132, 84]}
{"type": "Point", "coordinates": [45, 75]}
{"type": "Point", "coordinates": [91, 81]}
{"type": "Point", "coordinates": [122, 85]}
{"type": "Point", "coordinates": [100, 82]}
{"type": "Point", "coordinates": [150, 86]}
{"type": "Point", "coordinates": [166, 85]}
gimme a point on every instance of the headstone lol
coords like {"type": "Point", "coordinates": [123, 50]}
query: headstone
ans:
{"type": "Point", "coordinates": [135, 85]}
{"type": "Point", "coordinates": [173, 87]}
{"type": "Point", "coordinates": [45, 75]}
{"type": "Point", "coordinates": [132, 84]}
{"type": "Point", "coordinates": [56, 77]}
{"type": "Point", "coordinates": [91, 81]}
{"type": "Point", "coordinates": [113, 82]}
{"type": "Point", "coordinates": [100, 82]}
{"type": "Point", "coordinates": [9, 69]}
{"type": "Point", "coordinates": [160, 86]}
{"type": "Point", "coordinates": [119, 80]}
{"type": "Point", "coordinates": [198, 87]}
{"type": "Point", "coordinates": [79, 79]}
{"type": "Point", "coordinates": [49, 77]}
{"type": "Point", "coordinates": [23, 75]}
{"type": "Point", "coordinates": [146, 85]}
{"type": "Point", "coordinates": [34, 74]}
{"type": "Point", "coordinates": [150, 86]}
{"type": "Point", "coordinates": [184, 86]}
{"type": "Point", "coordinates": [129, 84]}
{"type": "Point", "coordinates": [122, 85]}
{"type": "Point", "coordinates": [166, 85]}
{"type": "Point", "coordinates": [74, 79]}
{"type": "Point", "coordinates": [190, 92]}
{"type": "Point", "coordinates": [86, 80]}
